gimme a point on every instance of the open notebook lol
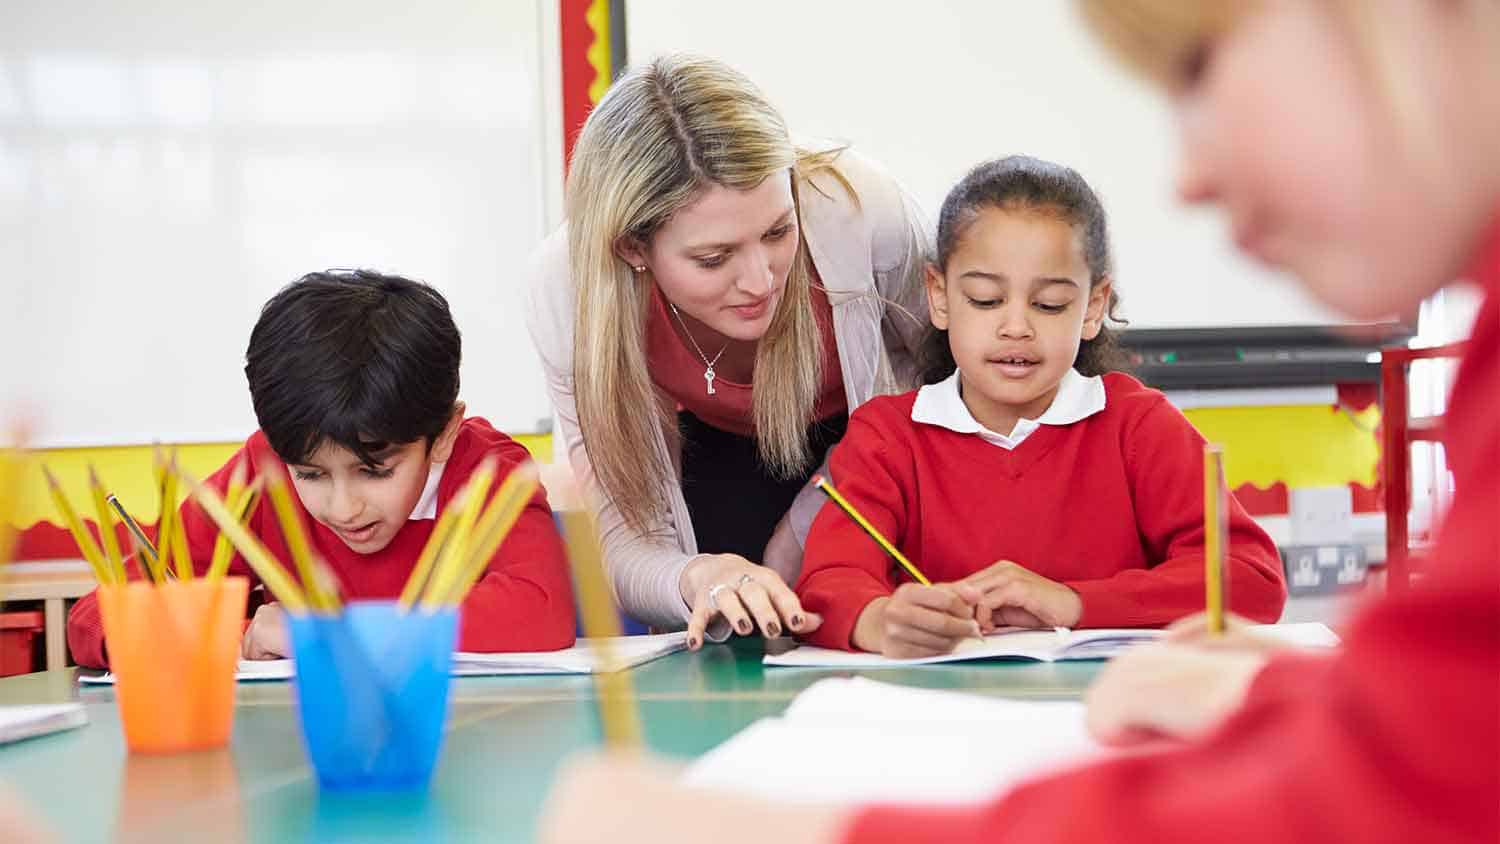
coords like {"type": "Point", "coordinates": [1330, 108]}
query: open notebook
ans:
{"type": "Point", "coordinates": [582, 658]}
{"type": "Point", "coordinates": [23, 722]}
{"type": "Point", "coordinates": [1055, 645]}
{"type": "Point", "coordinates": [855, 740]}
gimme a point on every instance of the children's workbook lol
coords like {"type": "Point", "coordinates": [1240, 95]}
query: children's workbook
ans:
{"type": "Point", "coordinates": [1054, 645]}
{"type": "Point", "coordinates": [582, 658]}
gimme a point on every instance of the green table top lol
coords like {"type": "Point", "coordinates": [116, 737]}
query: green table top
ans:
{"type": "Point", "coordinates": [505, 739]}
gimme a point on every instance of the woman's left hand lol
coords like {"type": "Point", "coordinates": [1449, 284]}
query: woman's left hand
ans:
{"type": "Point", "coordinates": [1014, 596]}
{"type": "Point", "coordinates": [748, 596]}
{"type": "Point", "coordinates": [625, 798]}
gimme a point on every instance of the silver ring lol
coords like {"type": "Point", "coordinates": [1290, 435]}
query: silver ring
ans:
{"type": "Point", "coordinates": [713, 593]}
{"type": "Point", "coordinates": [744, 578]}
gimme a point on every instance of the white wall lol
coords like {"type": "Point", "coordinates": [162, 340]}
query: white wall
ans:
{"type": "Point", "coordinates": [932, 88]}
{"type": "Point", "coordinates": [166, 166]}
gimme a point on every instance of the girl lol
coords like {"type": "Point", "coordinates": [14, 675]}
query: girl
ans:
{"type": "Point", "coordinates": [1385, 117]}
{"type": "Point", "coordinates": [717, 303]}
{"type": "Point", "coordinates": [982, 475]}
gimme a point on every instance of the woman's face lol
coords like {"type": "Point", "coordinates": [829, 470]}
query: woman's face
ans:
{"type": "Point", "coordinates": [1281, 124]}
{"type": "Point", "coordinates": [723, 259]}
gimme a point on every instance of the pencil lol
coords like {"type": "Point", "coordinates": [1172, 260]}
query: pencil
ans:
{"type": "Point", "coordinates": [1215, 534]}
{"type": "Point", "coordinates": [261, 561]}
{"type": "Point", "coordinates": [422, 571]}
{"type": "Point", "coordinates": [81, 535]}
{"type": "Point", "coordinates": [617, 708]}
{"type": "Point", "coordinates": [499, 517]}
{"type": "Point", "coordinates": [242, 508]}
{"type": "Point", "coordinates": [106, 522]}
{"type": "Point", "coordinates": [822, 483]}
{"type": "Point", "coordinates": [449, 566]}
{"type": "Point", "coordinates": [315, 582]}
{"type": "Point", "coordinates": [144, 549]}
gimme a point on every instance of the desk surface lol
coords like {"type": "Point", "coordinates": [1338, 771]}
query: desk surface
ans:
{"type": "Point", "coordinates": [505, 739]}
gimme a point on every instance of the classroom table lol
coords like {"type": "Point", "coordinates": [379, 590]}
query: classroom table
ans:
{"type": "Point", "coordinates": [506, 737]}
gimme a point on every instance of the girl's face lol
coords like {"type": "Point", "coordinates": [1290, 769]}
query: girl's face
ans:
{"type": "Point", "coordinates": [1016, 301]}
{"type": "Point", "coordinates": [723, 259]}
{"type": "Point", "coordinates": [1280, 124]}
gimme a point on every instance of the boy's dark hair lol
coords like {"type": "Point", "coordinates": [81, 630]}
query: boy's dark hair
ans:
{"type": "Point", "coordinates": [1020, 182]}
{"type": "Point", "coordinates": [357, 357]}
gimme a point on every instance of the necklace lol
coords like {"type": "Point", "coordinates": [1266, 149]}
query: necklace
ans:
{"type": "Point", "coordinates": [708, 374]}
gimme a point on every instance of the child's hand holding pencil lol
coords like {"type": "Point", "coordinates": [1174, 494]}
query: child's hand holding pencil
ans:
{"type": "Point", "coordinates": [919, 621]}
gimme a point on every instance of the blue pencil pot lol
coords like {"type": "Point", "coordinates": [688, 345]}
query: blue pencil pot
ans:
{"type": "Point", "coordinates": [372, 691]}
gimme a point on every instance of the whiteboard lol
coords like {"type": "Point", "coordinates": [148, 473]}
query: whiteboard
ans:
{"type": "Point", "coordinates": [166, 166]}
{"type": "Point", "coordinates": [931, 89]}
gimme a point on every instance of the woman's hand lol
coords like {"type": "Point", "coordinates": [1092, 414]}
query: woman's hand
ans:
{"type": "Point", "coordinates": [267, 637]}
{"type": "Point", "coordinates": [1012, 595]}
{"type": "Point", "coordinates": [625, 799]}
{"type": "Point", "coordinates": [918, 621]}
{"type": "Point", "coordinates": [748, 596]}
{"type": "Point", "coordinates": [1169, 690]}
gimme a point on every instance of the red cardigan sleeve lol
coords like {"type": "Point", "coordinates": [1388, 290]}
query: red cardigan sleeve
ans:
{"type": "Point", "coordinates": [842, 569]}
{"type": "Point", "coordinates": [1351, 748]}
{"type": "Point", "coordinates": [1164, 456]}
{"type": "Point", "coordinates": [524, 601]}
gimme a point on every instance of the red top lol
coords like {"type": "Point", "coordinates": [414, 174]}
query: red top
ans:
{"type": "Point", "coordinates": [954, 504]}
{"type": "Point", "coordinates": [524, 601]}
{"type": "Point", "coordinates": [1397, 738]}
{"type": "Point", "coordinates": [677, 370]}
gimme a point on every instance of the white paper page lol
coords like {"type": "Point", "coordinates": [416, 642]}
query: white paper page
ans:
{"type": "Point", "coordinates": [21, 722]}
{"type": "Point", "coordinates": [628, 651]}
{"type": "Point", "coordinates": [1040, 645]}
{"type": "Point", "coordinates": [1308, 634]}
{"type": "Point", "coordinates": [852, 740]}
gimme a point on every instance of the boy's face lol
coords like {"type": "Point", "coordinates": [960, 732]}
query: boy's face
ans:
{"type": "Point", "coordinates": [367, 505]}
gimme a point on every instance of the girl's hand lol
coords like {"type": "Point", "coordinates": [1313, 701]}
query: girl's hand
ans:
{"type": "Point", "coordinates": [1014, 596]}
{"type": "Point", "coordinates": [918, 621]}
{"type": "Point", "coordinates": [625, 799]}
{"type": "Point", "coordinates": [748, 596]}
{"type": "Point", "coordinates": [267, 637]}
{"type": "Point", "coordinates": [1168, 690]}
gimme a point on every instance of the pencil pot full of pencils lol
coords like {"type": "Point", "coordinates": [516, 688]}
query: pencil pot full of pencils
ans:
{"type": "Point", "coordinates": [173, 648]}
{"type": "Point", "coordinates": [372, 692]}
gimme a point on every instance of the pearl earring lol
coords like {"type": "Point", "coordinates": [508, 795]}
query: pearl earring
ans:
{"type": "Point", "coordinates": [638, 270]}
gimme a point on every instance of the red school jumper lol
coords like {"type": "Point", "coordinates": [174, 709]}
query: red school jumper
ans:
{"type": "Point", "coordinates": [523, 602]}
{"type": "Point", "coordinates": [1396, 738]}
{"type": "Point", "coordinates": [1110, 505]}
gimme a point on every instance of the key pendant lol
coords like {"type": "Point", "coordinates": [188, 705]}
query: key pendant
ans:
{"type": "Point", "coordinates": [708, 375]}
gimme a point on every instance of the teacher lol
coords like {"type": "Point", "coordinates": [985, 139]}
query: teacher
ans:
{"type": "Point", "coordinates": [717, 302]}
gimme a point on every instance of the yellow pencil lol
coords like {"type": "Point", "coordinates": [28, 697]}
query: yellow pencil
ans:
{"type": "Point", "coordinates": [617, 708]}
{"type": "Point", "coordinates": [321, 594]}
{"type": "Point", "coordinates": [242, 506]}
{"type": "Point", "coordinates": [1215, 536]}
{"type": "Point", "coordinates": [106, 522]}
{"type": "Point", "coordinates": [275, 576]}
{"type": "Point", "coordinates": [421, 573]}
{"type": "Point", "coordinates": [499, 517]}
{"type": "Point", "coordinates": [81, 535]}
{"type": "Point", "coordinates": [822, 483]}
{"type": "Point", "coordinates": [450, 562]}
{"type": "Point", "coordinates": [167, 514]}
{"type": "Point", "coordinates": [177, 535]}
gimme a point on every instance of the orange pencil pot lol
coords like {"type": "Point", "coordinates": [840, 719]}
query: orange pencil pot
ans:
{"type": "Point", "coordinates": [173, 649]}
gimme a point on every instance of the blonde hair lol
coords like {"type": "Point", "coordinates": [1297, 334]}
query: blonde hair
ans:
{"type": "Point", "coordinates": [662, 133]}
{"type": "Point", "coordinates": [1160, 39]}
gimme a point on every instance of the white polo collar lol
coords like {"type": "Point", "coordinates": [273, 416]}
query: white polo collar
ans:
{"type": "Point", "coordinates": [1078, 397]}
{"type": "Point", "coordinates": [427, 505]}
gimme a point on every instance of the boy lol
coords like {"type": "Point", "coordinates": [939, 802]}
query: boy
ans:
{"type": "Point", "coordinates": [354, 380]}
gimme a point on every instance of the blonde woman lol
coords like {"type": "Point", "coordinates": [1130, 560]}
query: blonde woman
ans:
{"type": "Point", "coordinates": [1379, 184]}
{"type": "Point", "coordinates": [717, 302]}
